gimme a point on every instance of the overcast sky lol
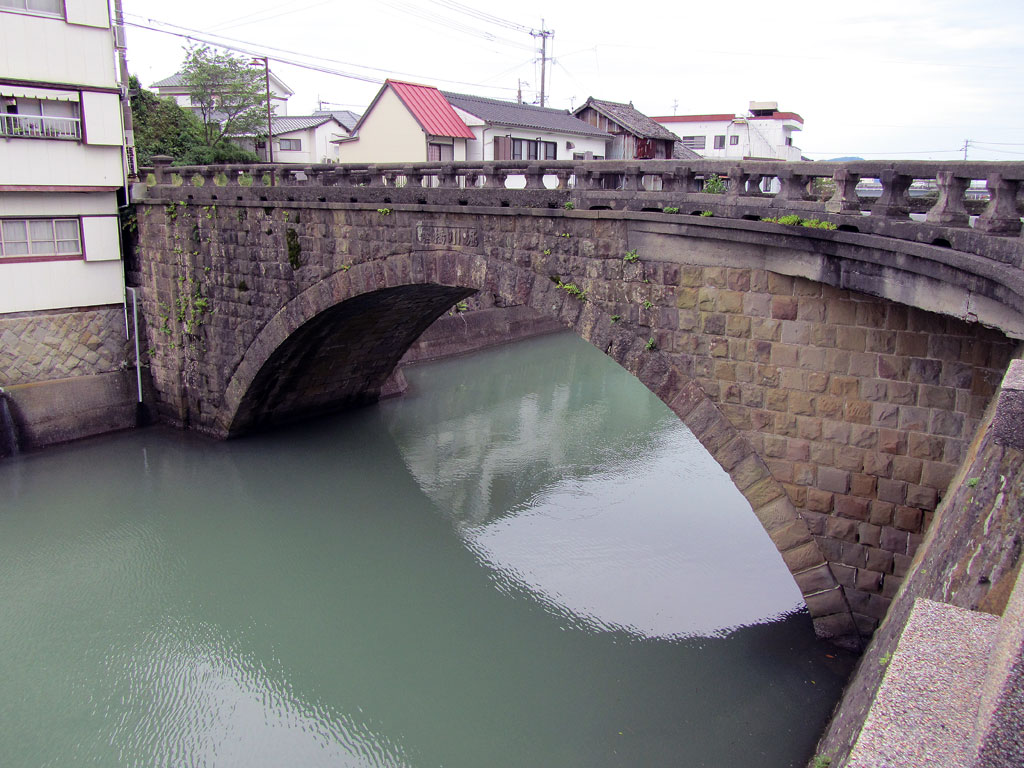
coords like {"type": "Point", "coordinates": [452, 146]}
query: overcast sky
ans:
{"type": "Point", "coordinates": [875, 78]}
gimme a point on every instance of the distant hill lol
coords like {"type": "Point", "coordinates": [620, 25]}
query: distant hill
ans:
{"type": "Point", "coordinates": [843, 159]}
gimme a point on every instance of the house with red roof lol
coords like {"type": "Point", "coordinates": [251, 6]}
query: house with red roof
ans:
{"type": "Point", "coordinates": [406, 122]}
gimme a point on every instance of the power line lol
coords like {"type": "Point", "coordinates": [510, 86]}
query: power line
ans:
{"type": "Point", "coordinates": [255, 49]}
{"type": "Point", "coordinates": [483, 16]}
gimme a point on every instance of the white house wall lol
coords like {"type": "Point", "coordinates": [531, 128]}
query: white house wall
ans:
{"type": "Point", "coordinates": [32, 286]}
{"type": "Point", "coordinates": [55, 162]}
{"type": "Point", "coordinates": [388, 134]}
{"type": "Point", "coordinates": [44, 49]}
{"type": "Point", "coordinates": [483, 147]}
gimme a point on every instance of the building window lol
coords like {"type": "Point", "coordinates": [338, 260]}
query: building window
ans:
{"type": "Point", "coordinates": [291, 145]}
{"type": "Point", "coordinates": [44, 7]}
{"type": "Point", "coordinates": [529, 149]}
{"type": "Point", "coordinates": [734, 140]}
{"type": "Point", "coordinates": [719, 142]}
{"type": "Point", "coordinates": [789, 141]}
{"type": "Point", "coordinates": [39, 118]}
{"type": "Point", "coordinates": [440, 153]}
{"type": "Point", "coordinates": [695, 142]}
{"type": "Point", "coordinates": [39, 237]}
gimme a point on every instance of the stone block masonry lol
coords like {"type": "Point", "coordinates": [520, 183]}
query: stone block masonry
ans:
{"type": "Point", "coordinates": [862, 408]}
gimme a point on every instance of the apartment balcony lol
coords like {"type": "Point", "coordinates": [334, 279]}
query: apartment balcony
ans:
{"type": "Point", "coordinates": [40, 127]}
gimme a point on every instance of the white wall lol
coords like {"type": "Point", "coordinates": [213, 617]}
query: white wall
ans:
{"type": "Point", "coordinates": [33, 286]}
{"type": "Point", "coordinates": [51, 50]}
{"type": "Point", "coordinates": [95, 279]}
{"type": "Point", "coordinates": [763, 137]}
{"type": "Point", "coordinates": [57, 162]}
{"type": "Point", "coordinates": [389, 134]}
{"type": "Point", "coordinates": [483, 147]}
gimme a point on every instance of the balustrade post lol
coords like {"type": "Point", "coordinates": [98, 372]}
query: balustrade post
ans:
{"type": "Point", "coordinates": [631, 177]}
{"type": "Point", "coordinates": [162, 168]}
{"type": "Point", "coordinates": [1001, 216]}
{"type": "Point", "coordinates": [448, 178]}
{"type": "Point", "coordinates": [737, 183]}
{"type": "Point", "coordinates": [282, 176]}
{"type": "Point", "coordinates": [844, 199]}
{"type": "Point", "coordinates": [893, 203]}
{"type": "Point", "coordinates": [534, 177]}
{"type": "Point", "coordinates": [563, 178]}
{"type": "Point", "coordinates": [949, 210]}
{"type": "Point", "coordinates": [585, 177]}
{"type": "Point", "coordinates": [374, 177]}
{"type": "Point", "coordinates": [794, 186]}
{"type": "Point", "coordinates": [495, 177]}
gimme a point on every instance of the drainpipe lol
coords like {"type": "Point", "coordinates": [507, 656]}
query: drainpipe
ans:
{"type": "Point", "coordinates": [138, 367]}
{"type": "Point", "coordinates": [126, 107]}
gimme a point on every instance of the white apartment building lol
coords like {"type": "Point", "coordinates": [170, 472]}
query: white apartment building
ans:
{"type": "Point", "coordinates": [61, 156]}
{"type": "Point", "coordinates": [764, 133]}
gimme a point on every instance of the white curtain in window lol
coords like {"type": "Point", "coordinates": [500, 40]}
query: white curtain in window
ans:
{"type": "Point", "coordinates": [46, 6]}
{"type": "Point", "coordinates": [41, 234]}
{"type": "Point", "coordinates": [67, 236]}
{"type": "Point", "coordinates": [15, 238]}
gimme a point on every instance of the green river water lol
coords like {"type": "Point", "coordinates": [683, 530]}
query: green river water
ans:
{"type": "Point", "coordinates": [525, 561]}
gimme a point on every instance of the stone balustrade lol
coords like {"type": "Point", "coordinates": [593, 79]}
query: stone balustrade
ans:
{"type": "Point", "coordinates": [967, 206]}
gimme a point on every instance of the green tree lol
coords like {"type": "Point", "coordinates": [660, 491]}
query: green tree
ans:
{"type": "Point", "coordinates": [164, 128]}
{"type": "Point", "coordinates": [228, 94]}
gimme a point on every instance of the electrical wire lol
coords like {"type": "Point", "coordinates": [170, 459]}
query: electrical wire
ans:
{"type": "Point", "coordinates": [282, 55]}
{"type": "Point", "coordinates": [449, 24]}
{"type": "Point", "coordinates": [484, 16]}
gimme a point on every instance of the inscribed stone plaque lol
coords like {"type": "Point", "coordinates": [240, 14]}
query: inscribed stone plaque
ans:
{"type": "Point", "coordinates": [427, 234]}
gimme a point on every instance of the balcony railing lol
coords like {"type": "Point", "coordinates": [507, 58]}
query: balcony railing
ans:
{"type": "Point", "coordinates": [40, 127]}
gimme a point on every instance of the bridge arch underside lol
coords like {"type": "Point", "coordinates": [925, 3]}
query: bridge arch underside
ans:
{"type": "Point", "coordinates": [336, 344]}
{"type": "Point", "coordinates": [341, 357]}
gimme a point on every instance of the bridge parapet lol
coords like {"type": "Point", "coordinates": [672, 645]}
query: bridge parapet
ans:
{"type": "Point", "coordinates": [972, 207]}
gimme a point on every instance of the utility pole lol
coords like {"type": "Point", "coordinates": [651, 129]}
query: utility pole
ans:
{"type": "Point", "coordinates": [270, 126]}
{"type": "Point", "coordinates": [543, 34]}
{"type": "Point", "coordinates": [967, 143]}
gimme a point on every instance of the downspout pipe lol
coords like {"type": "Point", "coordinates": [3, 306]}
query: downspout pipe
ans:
{"type": "Point", "coordinates": [140, 413]}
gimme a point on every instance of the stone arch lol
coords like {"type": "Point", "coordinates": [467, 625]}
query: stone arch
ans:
{"type": "Point", "coordinates": [393, 299]}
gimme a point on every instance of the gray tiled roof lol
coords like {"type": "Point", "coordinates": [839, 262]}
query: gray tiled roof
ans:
{"type": "Point", "coordinates": [290, 123]}
{"type": "Point", "coordinates": [175, 80]}
{"type": "Point", "coordinates": [343, 116]}
{"type": "Point", "coordinates": [523, 115]}
{"type": "Point", "coordinates": [629, 118]}
{"type": "Point", "coordinates": [679, 152]}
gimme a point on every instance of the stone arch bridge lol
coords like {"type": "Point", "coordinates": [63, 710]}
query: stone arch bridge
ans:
{"type": "Point", "coordinates": [837, 374]}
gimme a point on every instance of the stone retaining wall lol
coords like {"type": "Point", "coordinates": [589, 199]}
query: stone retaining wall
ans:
{"type": "Point", "coordinates": [41, 346]}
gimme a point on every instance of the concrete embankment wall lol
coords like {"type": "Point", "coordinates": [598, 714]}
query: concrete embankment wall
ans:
{"type": "Point", "coordinates": [482, 325]}
{"type": "Point", "coordinates": [65, 375]}
{"type": "Point", "coordinates": [970, 559]}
